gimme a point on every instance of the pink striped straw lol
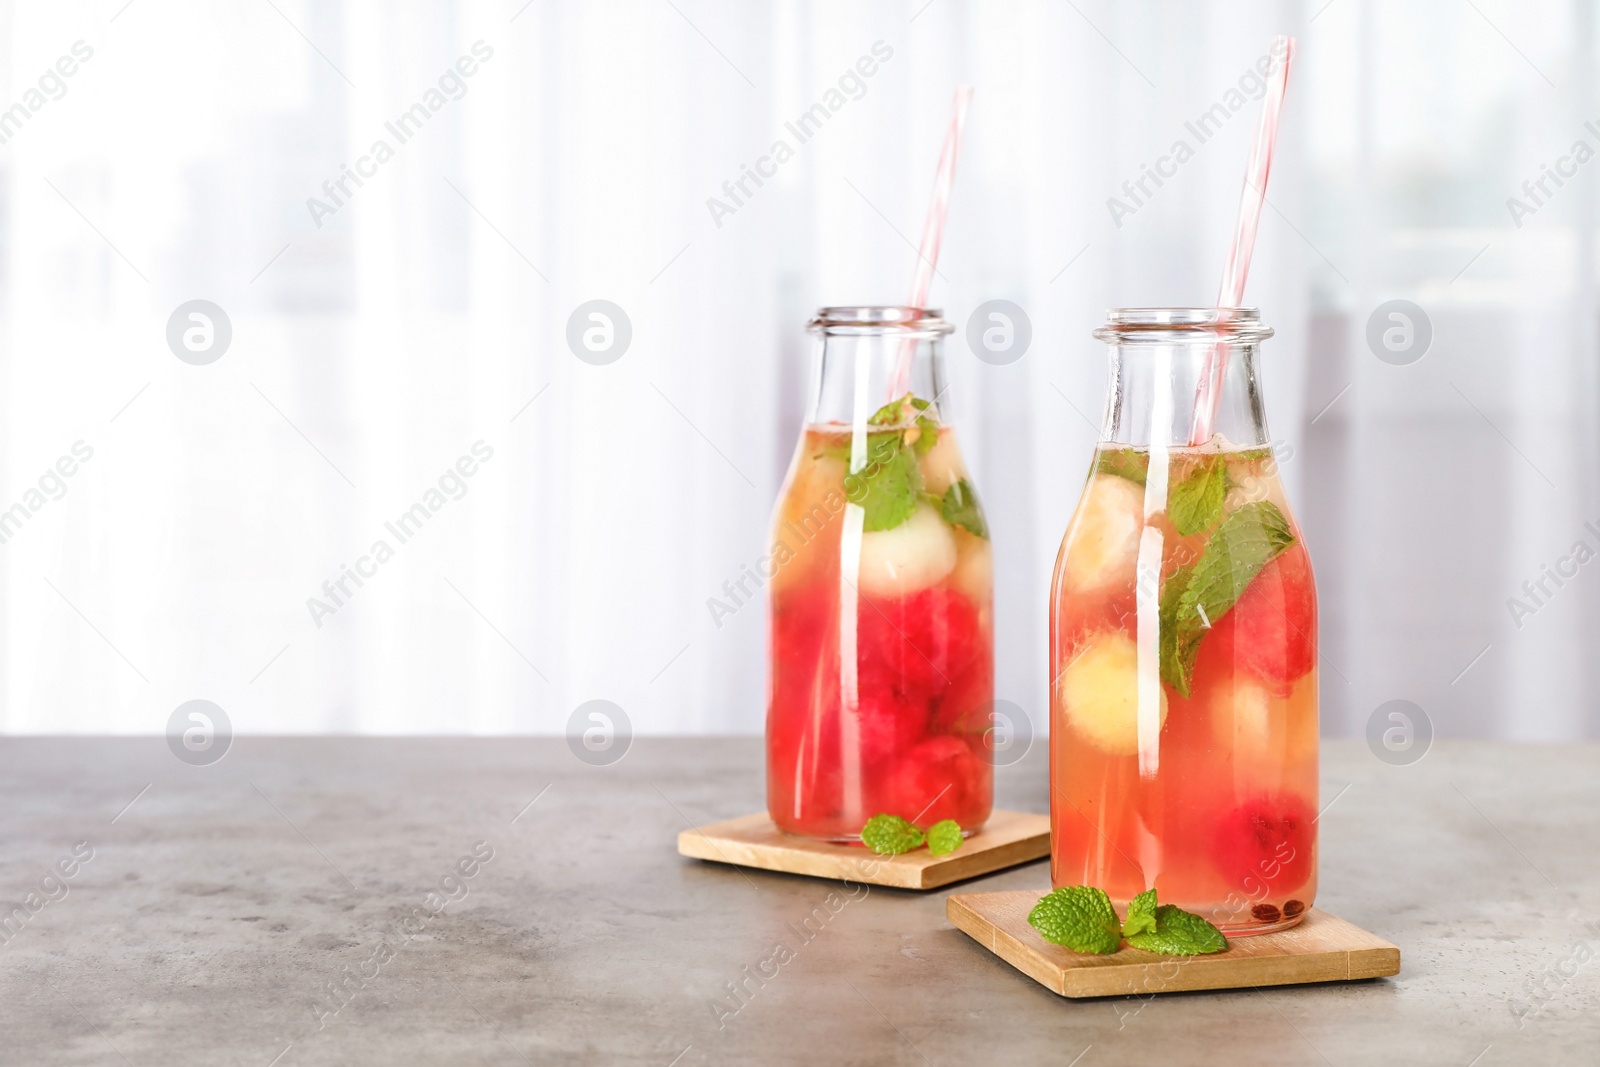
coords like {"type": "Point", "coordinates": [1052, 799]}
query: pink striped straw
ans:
{"type": "Point", "coordinates": [933, 231]}
{"type": "Point", "coordinates": [1208, 395]}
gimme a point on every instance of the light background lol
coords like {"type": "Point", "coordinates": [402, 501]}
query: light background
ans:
{"type": "Point", "coordinates": [430, 312]}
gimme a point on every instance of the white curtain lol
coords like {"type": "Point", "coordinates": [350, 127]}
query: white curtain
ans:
{"type": "Point", "coordinates": [381, 333]}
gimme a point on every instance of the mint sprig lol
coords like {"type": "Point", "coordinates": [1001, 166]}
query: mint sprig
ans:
{"type": "Point", "coordinates": [1195, 503]}
{"type": "Point", "coordinates": [890, 835]}
{"type": "Point", "coordinates": [1179, 933]}
{"type": "Point", "coordinates": [1196, 596]}
{"type": "Point", "coordinates": [927, 425]}
{"type": "Point", "coordinates": [1081, 918]}
{"type": "Point", "coordinates": [960, 508]}
{"type": "Point", "coordinates": [897, 412]}
{"type": "Point", "coordinates": [888, 487]}
{"type": "Point", "coordinates": [1141, 915]}
{"type": "Point", "coordinates": [889, 484]}
{"type": "Point", "coordinates": [944, 837]}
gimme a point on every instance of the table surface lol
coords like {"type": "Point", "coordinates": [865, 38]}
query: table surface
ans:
{"type": "Point", "coordinates": [219, 913]}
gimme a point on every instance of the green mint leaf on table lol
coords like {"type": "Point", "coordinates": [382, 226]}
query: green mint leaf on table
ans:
{"type": "Point", "coordinates": [960, 508]}
{"type": "Point", "coordinates": [1195, 597]}
{"type": "Point", "coordinates": [890, 835]}
{"type": "Point", "coordinates": [1177, 932]}
{"type": "Point", "coordinates": [1141, 915]}
{"type": "Point", "coordinates": [1126, 463]}
{"type": "Point", "coordinates": [944, 837]}
{"type": "Point", "coordinates": [1079, 917]}
{"type": "Point", "coordinates": [888, 486]}
{"type": "Point", "coordinates": [1195, 503]}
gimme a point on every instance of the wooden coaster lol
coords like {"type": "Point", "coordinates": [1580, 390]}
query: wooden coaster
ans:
{"type": "Point", "coordinates": [1007, 839]}
{"type": "Point", "coordinates": [1322, 948]}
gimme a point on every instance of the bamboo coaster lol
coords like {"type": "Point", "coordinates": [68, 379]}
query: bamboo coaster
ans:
{"type": "Point", "coordinates": [1007, 839]}
{"type": "Point", "coordinates": [1322, 948]}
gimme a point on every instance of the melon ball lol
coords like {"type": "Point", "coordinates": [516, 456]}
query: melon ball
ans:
{"type": "Point", "coordinates": [1266, 732]}
{"type": "Point", "coordinates": [815, 476]}
{"type": "Point", "coordinates": [974, 573]}
{"type": "Point", "coordinates": [1099, 693]}
{"type": "Point", "coordinates": [1103, 546]}
{"type": "Point", "coordinates": [909, 557]}
{"type": "Point", "coordinates": [942, 466]}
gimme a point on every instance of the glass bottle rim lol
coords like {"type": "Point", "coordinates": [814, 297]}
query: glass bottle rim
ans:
{"type": "Point", "coordinates": [880, 318]}
{"type": "Point", "coordinates": [1178, 325]}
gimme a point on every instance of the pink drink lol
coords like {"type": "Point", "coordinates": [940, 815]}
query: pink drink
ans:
{"type": "Point", "coordinates": [882, 636]}
{"type": "Point", "coordinates": [1183, 741]}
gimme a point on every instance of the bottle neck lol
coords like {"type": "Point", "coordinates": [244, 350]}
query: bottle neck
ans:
{"type": "Point", "coordinates": [864, 364]}
{"type": "Point", "coordinates": [1154, 395]}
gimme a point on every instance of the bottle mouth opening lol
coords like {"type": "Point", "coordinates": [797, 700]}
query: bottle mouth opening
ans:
{"type": "Point", "coordinates": [1167, 325]}
{"type": "Point", "coordinates": [882, 318]}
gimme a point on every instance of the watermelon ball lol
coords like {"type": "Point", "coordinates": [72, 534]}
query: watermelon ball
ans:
{"type": "Point", "coordinates": [917, 645]}
{"type": "Point", "coordinates": [888, 725]}
{"type": "Point", "coordinates": [1266, 840]}
{"type": "Point", "coordinates": [803, 624]}
{"type": "Point", "coordinates": [939, 779]}
{"type": "Point", "coordinates": [1275, 620]}
{"type": "Point", "coordinates": [965, 706]}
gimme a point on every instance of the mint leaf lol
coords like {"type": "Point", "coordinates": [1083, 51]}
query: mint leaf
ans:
{"type": "Point", "coordinates": [1179, 643]}
{"type": "Point", "coordinates": [894, 412]}
{"type": "Point", "coordinates": [889, 483]}
{"type": "Point", "coordinates": [1126, 463]}
{"type": "Point", "coordinates": [910, 411]}
{"type": "Point", "coordinates": [888, 486]}
{"type": "Point", "coordinates": [1079, 917]}
{"type": "Point", "coordinates": [890, 835]}
{"type": "Point", "coordinates": [1141, 915]}
{"type": "Point", "coordinates": [944, 837]}
{"type": "Point", "coordinates": [1179, 933]}
{"type": "Point", "coordinates": [1195, 503]}
{"type": "Point", "coordinates": [1249, 456]}
{"type": "Point", "coordinates": [960, 508]}
{"type": "Point", "coordinates": [1195, 597]}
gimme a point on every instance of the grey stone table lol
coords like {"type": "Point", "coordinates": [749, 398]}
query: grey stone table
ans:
{"type": "Point", "coordinates": [384, 901]}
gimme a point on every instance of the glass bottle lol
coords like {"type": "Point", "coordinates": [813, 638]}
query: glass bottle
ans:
{"type": "Point", "coordinates": [882, 647]}
{"type": "Point", "coordinates": [1183, 640]}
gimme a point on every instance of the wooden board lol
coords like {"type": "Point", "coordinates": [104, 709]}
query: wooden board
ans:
{"type": "Point", "coordinates": [1322, 948]}
{"type": "Point", "coordinates": [1007, 839]}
